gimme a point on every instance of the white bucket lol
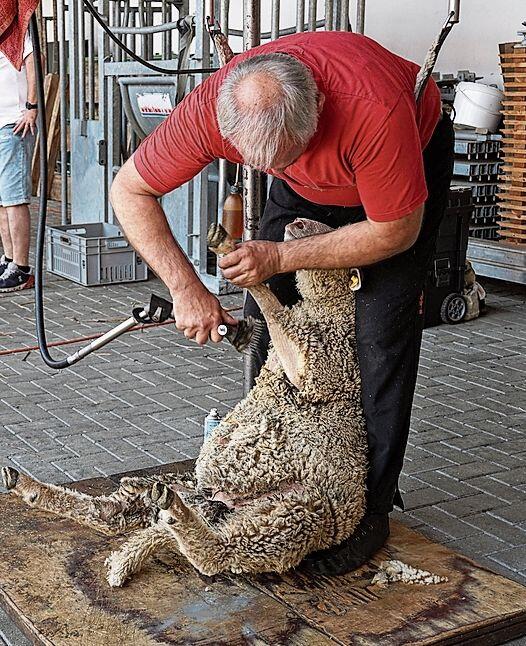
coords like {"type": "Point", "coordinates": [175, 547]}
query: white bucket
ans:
{"type": "Point", "coordinates": [478, 105]}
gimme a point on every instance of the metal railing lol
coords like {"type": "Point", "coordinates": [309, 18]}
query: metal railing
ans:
{"type": "Point", "coordinates": [101, 135]}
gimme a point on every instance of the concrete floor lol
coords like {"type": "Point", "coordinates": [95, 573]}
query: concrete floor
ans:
{"type": "Point", "coordinates": [141, 402]}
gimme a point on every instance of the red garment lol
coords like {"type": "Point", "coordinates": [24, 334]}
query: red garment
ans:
{"type": "Point", "coordinates": [14, 20]}
{"type": "Point", "coordinates": [368, 146]}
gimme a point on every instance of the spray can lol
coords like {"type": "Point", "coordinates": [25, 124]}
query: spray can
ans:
{"type": "Point", "coordinates": [211, 421]}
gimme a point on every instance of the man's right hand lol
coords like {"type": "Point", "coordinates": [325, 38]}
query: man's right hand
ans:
{"type": "Point", "coordinates": [198, 314]}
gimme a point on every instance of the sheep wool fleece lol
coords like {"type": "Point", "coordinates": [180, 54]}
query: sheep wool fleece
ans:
{"type": "Point", "coordinates": [282, 475]}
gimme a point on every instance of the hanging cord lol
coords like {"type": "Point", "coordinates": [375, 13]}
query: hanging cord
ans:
{"type": "Point", "coordinates": [42, 209]}
{"type": "Point", "coordinates": [225, 55]}
{"type": "Point", "coordinates": [132, 54]}
{"type": "Point", "coordinates": [81, 339]}
{"type": "Point", "coordinates": [223, 49]}
{"type": "Point", "coordinates": [42, 130]}
{"type": "Point", "coordinates": [431, 58]}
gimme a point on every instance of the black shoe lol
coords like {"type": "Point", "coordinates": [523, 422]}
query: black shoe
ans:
{"type": "Point", "coordinates": [3, 264]}
{"type": "Point", "coordinates": [368, 538]}
{"type": "Point", "coordinates": [14, 279]}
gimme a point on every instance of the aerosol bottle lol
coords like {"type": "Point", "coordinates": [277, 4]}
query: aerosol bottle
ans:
{"type": "Point", "coordinates": [211, 421]}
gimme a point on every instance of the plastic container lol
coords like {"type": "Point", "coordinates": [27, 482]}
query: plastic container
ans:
{"type": "Point", "coordinates": [478, 105]}
{"type": "Point", "coordinates": [93, 254]}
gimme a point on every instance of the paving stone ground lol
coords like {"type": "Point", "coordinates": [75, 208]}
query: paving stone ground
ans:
{"type": "Point", "coordinates": [141, 402]}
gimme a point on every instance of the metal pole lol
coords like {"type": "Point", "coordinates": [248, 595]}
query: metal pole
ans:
{"type": "Point", "coordinates": [223, 164]}
{"type": "Point", "coordinates": [164, 19]}
{"type": "Point", "coordinates": [91, 68]}
{"type": "Point", "coordinates": [81, 43]}
{"type": "Point", "coordinates": [274, 20]}
{"type": "Point", "coordinates": [360, 17]}
{"type": "Point", "coordinates": [300, 15]}
{"type": "Point", "coordinates": [200, 203]}
{"type": "Point", "coordinates": [251, 178]}
{"type": "Point", "coordinates": [454, 6]}
{"type": "Point", "coordinates": [223, 16]}
{"type": "Point", "coordinates": [344, 15]}
{"type": "Point", "coordinates": [62, 70]}
{"type": "Point", "coordinates": [312, 15]}
{"type": "Point", "coordinates": [329, 15]}
{"type": "Point", "coordinates": [54, 68]}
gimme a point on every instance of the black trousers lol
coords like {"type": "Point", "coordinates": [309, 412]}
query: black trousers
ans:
{"type": "Point", "coordinates": [389, 313]}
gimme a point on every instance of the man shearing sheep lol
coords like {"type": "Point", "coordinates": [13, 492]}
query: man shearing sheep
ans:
{"type": "Point", "coordinates": [332, 117]}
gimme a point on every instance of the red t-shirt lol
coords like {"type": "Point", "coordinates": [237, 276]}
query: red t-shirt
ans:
{"type": "Point", "coordinates": [367, 148]}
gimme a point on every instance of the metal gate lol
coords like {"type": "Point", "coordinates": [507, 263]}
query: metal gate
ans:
{"type": "Point", "coordinates": [104, 86]}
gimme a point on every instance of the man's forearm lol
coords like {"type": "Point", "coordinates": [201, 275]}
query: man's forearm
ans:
{"type": "Point", "coordinates": [196, 311]}
{"type": "Point", "coordinates": [355, 245]}
{"type": "Point", "coordinates": [146, 227]}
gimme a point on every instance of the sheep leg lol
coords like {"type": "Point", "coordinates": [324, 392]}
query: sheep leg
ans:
{"type": "Point", "coordinates": [288, 352]}
{"type": "Point", "coordinates": [107, 514]}
{"type": "Point", "coordinates": [130, 558]}
{"type": "Point", "coordinates": [274, 536]}
{"type": "Point", "coordinates": [133, 485]}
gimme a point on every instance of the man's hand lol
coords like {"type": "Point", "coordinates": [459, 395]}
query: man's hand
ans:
{"type": "Point", "coordinates": [198, 313]}
{"type": "Point", "coordinates": [251, 263]}
{"type": "Point", "coordinates": [26, 123]}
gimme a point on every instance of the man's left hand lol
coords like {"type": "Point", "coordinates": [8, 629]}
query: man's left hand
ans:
{"type": "Point", "coordinates": [251, 263]}
{"type": "Point", "coordinates": [26, 123]}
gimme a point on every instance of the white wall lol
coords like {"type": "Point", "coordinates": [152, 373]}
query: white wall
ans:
{"type": "Point", "coordinates": [408, 27]}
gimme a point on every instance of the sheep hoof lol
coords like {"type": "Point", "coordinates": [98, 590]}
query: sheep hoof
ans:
{"type": "Point", "coordinates": [116, 576]}
{"type": "Point", "coordinates": [161, 495]}
{"type": "Point", "coordinates": [10, 477]}
{"type": "Point", "coordinates": [133, 486]}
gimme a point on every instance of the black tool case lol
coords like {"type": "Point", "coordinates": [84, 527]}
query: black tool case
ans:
{"type": "Point", "coordinates": [443, 299]}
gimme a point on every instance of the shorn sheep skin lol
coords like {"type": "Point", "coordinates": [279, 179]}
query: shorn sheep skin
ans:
{"type": "Point", "coordinates": [282, 475]}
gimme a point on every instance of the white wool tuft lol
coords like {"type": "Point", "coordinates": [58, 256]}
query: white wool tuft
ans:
{"type": "Point", "coordinates": [393, 571]}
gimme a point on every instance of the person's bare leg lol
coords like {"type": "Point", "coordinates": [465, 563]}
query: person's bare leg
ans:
{"type": "Point", "coordinates": [5, 234]}
{"type": "Point", "coordinates": [20, 229]}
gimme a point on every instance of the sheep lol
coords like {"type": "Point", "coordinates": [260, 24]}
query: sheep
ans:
{"type": "Point", "coordinates": [281, 476]}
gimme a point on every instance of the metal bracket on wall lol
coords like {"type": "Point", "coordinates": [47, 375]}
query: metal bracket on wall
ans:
{"type": "Point", "coordinates": [103, 152]}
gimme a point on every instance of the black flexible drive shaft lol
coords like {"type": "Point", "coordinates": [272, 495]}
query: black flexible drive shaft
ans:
{"type": "Point", "coordinates": [42, 210]}
{"type": "Point", "coordinates": [132, 54]}
{"type": "Point", "coordinates": [59, 364]}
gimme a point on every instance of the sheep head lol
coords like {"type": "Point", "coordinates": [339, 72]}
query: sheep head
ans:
{"type": "Point", "coordinates": [322, 285]}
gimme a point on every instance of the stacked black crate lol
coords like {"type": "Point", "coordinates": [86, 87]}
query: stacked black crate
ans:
{"type": "Point", "coordinates": [476, 167]}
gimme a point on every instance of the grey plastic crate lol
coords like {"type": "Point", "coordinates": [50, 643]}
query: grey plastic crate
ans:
{"type": "Point", "coordinates": [93, 254]}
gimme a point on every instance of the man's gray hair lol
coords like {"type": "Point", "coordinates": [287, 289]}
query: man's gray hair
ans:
{"type": "Point", "coordinates": [261, 133]}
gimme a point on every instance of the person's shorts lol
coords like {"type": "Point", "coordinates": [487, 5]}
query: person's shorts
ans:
{"type": "Point", "coordinates": [15, 167]}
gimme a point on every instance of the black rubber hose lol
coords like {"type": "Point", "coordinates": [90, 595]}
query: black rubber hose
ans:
{"type": "Point", "coordinates": [42, 209]}
{"type": "Point", "coordinates": [162, 70]}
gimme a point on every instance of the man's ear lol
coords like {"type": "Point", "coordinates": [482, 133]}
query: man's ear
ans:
{"type": "Point", "coordinates": [321, 101]}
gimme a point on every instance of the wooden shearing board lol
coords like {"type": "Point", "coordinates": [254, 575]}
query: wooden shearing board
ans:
{"type": "Point", "coordinates": [52, 585]}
